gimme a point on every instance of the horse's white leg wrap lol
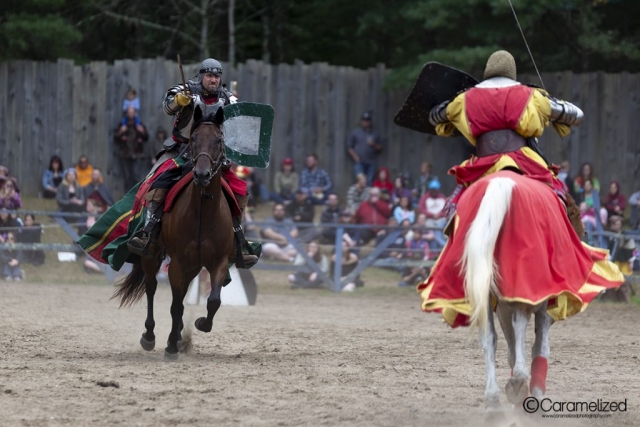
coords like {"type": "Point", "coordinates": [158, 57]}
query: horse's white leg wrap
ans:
{"type": "Point", "coordinates": [540, 353]}
{"type": "Point", "coordinates": [488, 340]}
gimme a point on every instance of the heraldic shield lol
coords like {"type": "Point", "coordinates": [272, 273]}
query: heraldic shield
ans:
{"type": "Point", "coordinates": [247, 131]}
{"type": "Point", "coordinates": [436, 83]}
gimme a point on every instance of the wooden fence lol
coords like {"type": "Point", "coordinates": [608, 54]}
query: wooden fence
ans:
{"type": "Point", "coordinates": [70, 110]}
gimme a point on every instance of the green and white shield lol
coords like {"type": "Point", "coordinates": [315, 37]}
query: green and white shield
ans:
{"type": "Point", "coordinates": [247, 131]}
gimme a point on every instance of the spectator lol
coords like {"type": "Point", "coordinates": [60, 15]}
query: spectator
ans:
{"type": "Point", "coordinates": [634, 201]}
{"type": "Point", "coordinates": [70, 196]}
{"type": "Point", "coordinates": [315, 181]}
{"type": "Point", "coordinates": [285, 183]}
{"type": "Point", "coordinates": [591, 198]}
{"type": "Point", "coordinates": [330, 215]}
{"type": "Point", "coordinates": [374, 212]}
{"type": "Point", "coordinates": [6, 176]}
{"type": "Point", "coordinates": [421, 184]}
{"type": "Point", "coordinates": [9, 197]}
{"type": "Point", "coordinates": [11, 259]}
{"type": "Point", "coordinates": [349, 263]}
{"type": "Point", "coordinates": [588, 218]}
{"type": "Point", "coordinates": [399, 190]}
{"type": "Point", "coordinates": [31, 233]}
{"type": "Point", "coordinates": [432, 205]}
{"type": "Point", "coordinates": [396, 250]}
{"type": "Point", "coordinates": [358, 193]}
{"type": "Point", "coordinates": [586, 173]}
{"type": "Point", "coordinates": [418, 245]}
{"type": "Point", "coordinates": [301, 211]}
{"type": "Point", "coordinates": [93, 209]}
{"type": "Point", "coordinates": [350, 235]}
{"type": "Point", "coordinates": [278, 227]}
{"type": "Point", "coordinates": [83, 169]}
{"type": "Point", "coordinates": [130, 138]}
{"type": "Point", "coordinates": [420, 228]}
{"type": "Point", "coordinates": [623, 252]}
{"type": "Point", "coordinates": [404, 210]}
{"type": "Point", "coordinates": [131, 100]}
{"type": "Point", "coordinates": [52, 177]}
{"type": "Point", "coordinates": [7, 225]}
{"type": "Point", "coordinates": [565, 177]}
{"type": "Point", "coordinates": [308, 278]}
{"type": "Point", "coordinates": [616, 202]}
{"type": "Point", "coordinates": [364, 147]}
{"type": "Point", "coordinates": [382, 182]}
{"type": "Point", "coordinates": [98, 191]}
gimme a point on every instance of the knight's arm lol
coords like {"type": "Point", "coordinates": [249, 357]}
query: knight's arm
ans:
{"type": "Point", "coordinates": [170, 105]}
{"type": "Point", "coordinates": [438, 114]}
{"type": "Point", "coordinates": [565, 113]}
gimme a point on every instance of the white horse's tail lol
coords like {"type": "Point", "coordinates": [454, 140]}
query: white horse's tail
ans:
{"type": "Point", "coordinates": [478, 263]}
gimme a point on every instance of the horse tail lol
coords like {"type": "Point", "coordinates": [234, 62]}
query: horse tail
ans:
{"type": "Point", "coordinates": [132, 287]}
{"type": "Point", "coordinates": [478, 263]}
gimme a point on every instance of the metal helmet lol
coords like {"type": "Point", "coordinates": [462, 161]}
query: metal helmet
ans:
{"type": "Point", "coordinates": [500, 64]}
{"type": "Point", "coordinates": [212, 66]}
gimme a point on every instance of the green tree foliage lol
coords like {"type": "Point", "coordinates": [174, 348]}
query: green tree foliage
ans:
{"type": "Point", "coordinates": [578, 35]}
{"type": "Point", "coordinates": [34, 29]}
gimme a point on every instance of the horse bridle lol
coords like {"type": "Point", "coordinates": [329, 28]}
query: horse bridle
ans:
{"type": "Point", "coordinates": [219, 161]}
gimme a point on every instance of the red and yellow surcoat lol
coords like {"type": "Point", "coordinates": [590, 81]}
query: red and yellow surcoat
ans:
{"type": "Point", "coordinates": [523, 109]}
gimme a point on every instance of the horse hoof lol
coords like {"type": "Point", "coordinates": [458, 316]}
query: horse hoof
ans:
{"type": "Point", "coordinates": [517, 390]}
{"type": "Point", "coordinates": [147, 345]}
{"type": "Point", "coordinates": [180, 344]}
{"type": "Point", "coordinates": [172, 357]}
{"type": "Point", "coordinates": [201, 325]}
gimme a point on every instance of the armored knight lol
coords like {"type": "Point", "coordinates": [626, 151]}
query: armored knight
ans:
{"type": "Point", "coordinates": [205, 89]}
{"type": "Point", "coordinates": [502, 118]}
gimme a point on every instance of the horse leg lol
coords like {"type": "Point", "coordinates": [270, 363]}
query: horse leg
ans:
{"type": "Point", "coordinates": [517, 387]}
{"type": "Point", "coordinates": [540, 353]}
{"type": "Point", "coordinates": [148, 339]}
{"type": "Point", "coordinates": [489, 340]}
{"type": "Point", "coordinates": [504, 316]}
{"type": "Point", "coordinates": [179, 280]}
{"type": "Point", "coordinates": [214, 301]}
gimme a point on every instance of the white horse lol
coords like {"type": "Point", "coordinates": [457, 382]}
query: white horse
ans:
{"type": "Point", "coordinates": [492, 227]}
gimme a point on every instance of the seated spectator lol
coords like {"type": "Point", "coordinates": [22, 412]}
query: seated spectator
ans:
{"type": "Point", "coordinates": [278, 247]}
{"type": "Point", "coordinates": [307, 278]}
{"type": "Point", "coordinates": [83, 170]}
{"type": "Point", "coordinates": [401, 187]}
{"type": "Point", "coordinates": [52, 177]}
{"type": "Point", "coordinates": [373, 212]}
{"type": "Point", "coordinates": [404, 210]}
{"type": "Point", "coordinates": [9, 197]}
{"type": "Point", "coordinates": [421, 184]}
{"type": "Point", "coordinates": [11, 259]}
{"type": "Point", "coordinates": [586, 174]}
{"type": "Point", "coordinates": [98, 191]}
{"type": "Point", "coordinates": [315, 181]}
{"type": "Point", "coordinates": [31, 233]}
{"type": "Point", "coordinates": [588, 217]}
{"type": "Point", "coordinates": [358, 192]}
{"type": "Point", "coordinates": [301, 211]}
{"type": "Point", "coordinates": [412, 276]}
{"type": "Point", "coordinates": [418, 245]}
{"type": "Point", "coordinates": [591, 198]}
{"type": "Point", "coordinates": [621, 248]}
{"type": "Point", "coordinates": [421, 228]}
{"type": "Point", "coordinates": [285, 183]}
{"type": "Point", "coordinates": [565, 177]}
{"type": "Point", "coordinates": [383, 183]}
{"type": "Point", "coordinates": [396, 249]}
{"type": "Point", "coordinates": [70, 196]}
{"type": "Point", "coordinates": [349, 263]}
{"type": "Point", "coordinates": [8, 224]}
{"type": "Point", "coordinates": [432, 205]}
{"type": "Point", "coordinates": [616, 202]}
{"type": "Point", "coordinates": [330, 215]}
{"type": "Point", "coordinates": [634, 202]}
{"type": "Point", "coordinates": [350, 235]}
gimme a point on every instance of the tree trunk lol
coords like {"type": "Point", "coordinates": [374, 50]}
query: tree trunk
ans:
{"type": "Point", "coordinates": [204, 30]}
{"type": "Point", "coordinates": [232, 32]}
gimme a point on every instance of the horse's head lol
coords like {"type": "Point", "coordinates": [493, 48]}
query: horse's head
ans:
{"type": "Point", "coordinates": [207, 145]}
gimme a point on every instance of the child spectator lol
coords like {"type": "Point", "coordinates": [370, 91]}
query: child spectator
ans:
{"type": "Point", "coordinates": [9, 197]}
{"type": "Point", "coordinates": [52, 177]}
{"type": "Point", "coordinates": [31, 233]}
{"type": "Point", "coordinates": [10, 259]}
{"type": "Point", "coordinates": [404, 210]}
{"type": "Point", "coordinates": [130, 100]}
{"type": "Point", "coordinates": [308, 278]}
{"type": "Point", "coordinates": [349, 263]}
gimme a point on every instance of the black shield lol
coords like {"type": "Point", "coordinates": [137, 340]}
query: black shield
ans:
{"type": "Point", "coordinates": [436, 83]}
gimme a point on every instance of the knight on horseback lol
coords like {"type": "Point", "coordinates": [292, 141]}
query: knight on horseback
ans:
{"type": "Point", "coordinates": [503, 118]}
{"type": "Point", "coordinates": [205, 89]}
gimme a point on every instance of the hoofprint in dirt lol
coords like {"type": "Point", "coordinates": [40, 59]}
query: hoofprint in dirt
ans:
{"type": "Point", "coordinates": [296, 358]}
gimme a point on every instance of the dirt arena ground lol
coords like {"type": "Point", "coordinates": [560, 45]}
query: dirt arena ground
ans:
{"type": "Point", "coordinates": [296, 358]}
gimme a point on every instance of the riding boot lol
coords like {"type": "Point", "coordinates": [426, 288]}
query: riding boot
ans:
{"type": "Point", "coordinates": [248, 260]}
{"type": "Point", "coordinates": [144, 242]}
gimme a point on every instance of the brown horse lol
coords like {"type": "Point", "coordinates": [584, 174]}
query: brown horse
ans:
{"type": "Point", "coordinates": [196, 233]}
